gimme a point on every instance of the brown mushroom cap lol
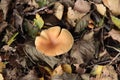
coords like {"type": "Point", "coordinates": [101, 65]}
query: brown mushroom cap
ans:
{"type": "Point", "coordinates": [54, 41]}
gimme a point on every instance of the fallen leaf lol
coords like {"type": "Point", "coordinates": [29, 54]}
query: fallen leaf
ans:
{"type": "Point", "coordinates": [4, 5]}
{"type": "Point", "coordinates": [1, 15]}
{"type": "Point", "coordinates": [66, 76]}
{"type": "Point", "coordinates": [115, 34]}
{"type": "Point", "coordinates": [57, 71]}
{"type": "Point", "coordinates": [113, 5]}
{"type": "Point", "coordinates": [3, 25]}
{"type": "Point", "coordinates": [45, 70]}
{"type": "Point", "coordinates": [68, 2]}
{"type": "Point", "coordinates": [83, 50]}
{"type": "Point", "coordinates": [10, 41]}
{"type": "Point", "coordinates": [42, 3]}
{"type": "Point", "coordinates": [41, 78]}
{"type": "Point", "coordinates": [107, 73]}
{"type": "Point", "coordinates": [2, 66]}
{"type": "Point", "coordinates": [116, 21]}
{"type": "Point", "coordinates": [8, 48]}
{"type": "Point", "coordinates": [85, 76]}
{"type": "Point", "coordinates": [79, 69]}
{"type": "Point", "coordinates": [73, 16]}
{"type": "Point", "coordinates": [33, 3]}
{"type": "Point", "coordinates": [39, 21]}
{"type": "Point", "coordinates": [1, 77]}
{"type": "Point", "coordinates": [10, 72]}
{"type": "Point", "coordinates": [97, 70]}
{"type": "Point", "coordinates": [97, 1]}
{"type": "Point", "coordinates": [88, 36]}
{"type": "Point", "coordinates": [30, 76]}
{"type": "Point", "coordinates": [101, 9]}
{"type": "Point", "coordinates": [61, 69]}
{"type": "Point", "coordinates": [30, 29]}
{"type": "Point", "coordinates": [58, 9]}
{"type": "Point", "coordinates": [66, 68]}
{"type": "Point", "coordinates": [18, 20]}
{"type": "Point", "coordinates": [35, 55]}
{"type": "Point", "coordinates": [82, 6]}
{"type": "Point", "coordinates": [82, 23]}
{"type": "Point", "coordinates": [75, 53]}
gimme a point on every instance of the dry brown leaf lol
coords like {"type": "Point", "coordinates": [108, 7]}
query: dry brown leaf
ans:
{"type": "Point", "coordinates": [101, 9]}
{"type": "Point", "coordinates": [84, 50]}
{"type": "Point", "coordinates": [59, 8]}
{"type": "Point", "coordinates": [66, 76]}
{"type": "Point", "coordinates": [82, 6]}
{"type": "Point", "coordinates": [4, 5]}
{"type": "Point", "coordinates": [33, 3]}
{"type": "Point", "coordinates": [1, 15]}
{"type": "Point", "coordinates": [30, 76]}
{"type": "Point", "coordinates": [3, 25]}
{"type": "Point", "coordinates": [85, 77]}
{"type": "Point", "coordinates": [113, 5]}
{"type": "Point", "coordinates": [1, 77]}
{"type": "Point", "coordinates": [35, 55]}
{"type": "Point", "coordinates": [73, 16]}
{"type": "Point", "coordinates": [79, 69]}
{"type": "Point", "coordinates": [115, 34]}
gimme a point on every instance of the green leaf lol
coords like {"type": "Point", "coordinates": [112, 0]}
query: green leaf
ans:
{"type": "Point", "coordinates": [101, 22]}
{"type": "Point", "coordinates": [30, 29]}
{"type": "Point", "coordinates": [116, 21]}
{"type": "Point", "coordinates": [38, 21]}
{"type": "Point", "coordinates": [42, 3]}
{"type": "Point", "coordinates": [12, 39]}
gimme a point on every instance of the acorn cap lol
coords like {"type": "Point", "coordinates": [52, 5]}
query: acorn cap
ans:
{"type": "Point", "coordinates": [54, 41]}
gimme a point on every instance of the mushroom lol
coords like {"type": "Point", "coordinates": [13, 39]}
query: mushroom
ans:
{"type": "Point", "coordinates": [54, 41]}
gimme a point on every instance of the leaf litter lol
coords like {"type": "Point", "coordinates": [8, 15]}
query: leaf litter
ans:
{"type": "Point", "coordinates": [94, 25]}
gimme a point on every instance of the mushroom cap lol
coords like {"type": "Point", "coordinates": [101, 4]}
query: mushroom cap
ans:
{"type": "Point", "coordinates": [54, 41]}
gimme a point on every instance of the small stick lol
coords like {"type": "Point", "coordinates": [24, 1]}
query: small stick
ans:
{"type": "Point", "coordinates": [115, 56]}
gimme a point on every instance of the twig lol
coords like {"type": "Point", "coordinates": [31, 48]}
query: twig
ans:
{"type": "Point", "coordinates": [36, 11]}
{"type": "Point", "coordinates": [115, 56]}
{"type": "Point", "coordinates": [41, 9]}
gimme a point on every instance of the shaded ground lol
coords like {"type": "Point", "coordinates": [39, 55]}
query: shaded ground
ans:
{"type": "Point", "coordinates": [94, 25]}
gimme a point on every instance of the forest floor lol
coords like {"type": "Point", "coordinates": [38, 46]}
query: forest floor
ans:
{"type": "Point", "coordinates": [59, 40]}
